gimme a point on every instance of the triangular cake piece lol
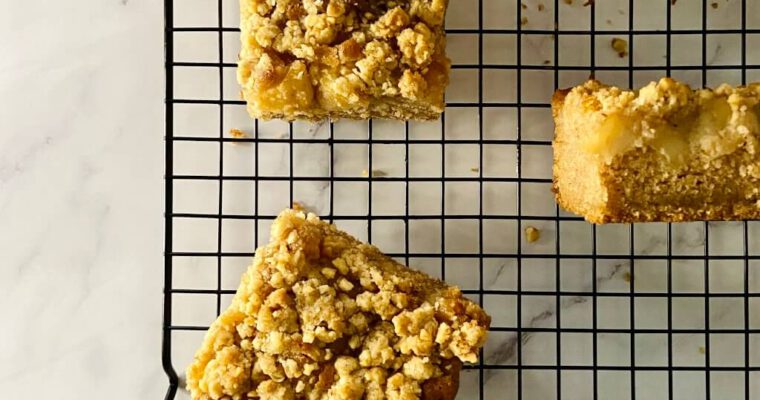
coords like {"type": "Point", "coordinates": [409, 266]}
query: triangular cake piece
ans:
{"type": "Point", "coordinates": [320, 315]}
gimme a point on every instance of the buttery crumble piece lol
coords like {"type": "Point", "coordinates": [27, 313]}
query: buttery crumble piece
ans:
{"type": "Point", "coordinates": [238, 134]}
{"type": "Point", "coordinates": [620, 46]}
{"type": "Point", "coordinates": [320, 315]}
{"type": "Point", "coordinates": [314, 59]}
{"type": "Point", "coordinates": [663, 153]}
{"type": "Point", "coordinates": [532, 234]}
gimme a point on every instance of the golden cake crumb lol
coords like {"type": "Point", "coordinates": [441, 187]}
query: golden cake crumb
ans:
{"type": "Point", "coordinates": [313, 59]}
{"type": "Point", "coordinates": [662, 153]}
{"type": "Point", "coordinates": [320, 315]}
{"type": "Point", "coordinates": [238, 134]}
{"type": "Point", "coordinates": [532, 234]}
{"type": "Point", "coordinates": [620, 46]}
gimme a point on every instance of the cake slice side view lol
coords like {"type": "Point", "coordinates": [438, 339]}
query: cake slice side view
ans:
{"type": "Point", "coordinates": [314, 59]}
{"type": "Point", "coordinates": [663, 153]}
{"type": "Point", "coordinates": [320, 315]}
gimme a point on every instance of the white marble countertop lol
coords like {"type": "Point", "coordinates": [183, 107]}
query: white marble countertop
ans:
{"type": "Point", "coordinates": [81, 204]}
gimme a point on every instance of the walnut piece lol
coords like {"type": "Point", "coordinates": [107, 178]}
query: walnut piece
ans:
{"type": "Point", "coordinates": [320, 315]}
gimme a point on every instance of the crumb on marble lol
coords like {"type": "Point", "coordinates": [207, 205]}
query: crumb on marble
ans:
{"type": "Point", "coordinates": [524, 21]}
{"type": "Point", "coordinates": [532, 234]}
{"type": "Point", "coordinates": [541, 7]}
{"type": "Point", "coordinates": [588, 3]}
{"type": "Point", "coordinates": [475, 169]}
{"type": "Point", "coordinates": [524, 6]}
{"type": "Point", "coordinates": [376, 173]}
{"type": "Point", "coordinates": [620, 46]}
{"type": "Point", "coordinates": [627, 276]}
{"type": "Point", "coordinates": [547, 62]}
{"type": "Point", "coordinates": [714, 5]}
{"type": "Point", "coordinates": [568, 2]}
{"type": "Point", "coordinates": [701, 350]}
{"type": "Point", "coordinates": [238, 134]}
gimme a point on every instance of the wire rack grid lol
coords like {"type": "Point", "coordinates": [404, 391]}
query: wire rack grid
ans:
{"type": "Point", "coordinates": [654, 311]}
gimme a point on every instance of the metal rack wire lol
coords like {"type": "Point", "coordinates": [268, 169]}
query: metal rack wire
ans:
{"type": "Point", "coordinates": [517, 29]}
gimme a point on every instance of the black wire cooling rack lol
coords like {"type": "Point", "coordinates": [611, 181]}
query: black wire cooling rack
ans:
{"type": "Point", "coordinates": [701, 42]}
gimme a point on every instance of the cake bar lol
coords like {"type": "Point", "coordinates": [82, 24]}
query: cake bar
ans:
{"type": "Point", "coordinates": [663, 153]}
{"type": "Point", "coordinates": [312, 59]}
{"type": "Point", "coordinates": [320, 315]}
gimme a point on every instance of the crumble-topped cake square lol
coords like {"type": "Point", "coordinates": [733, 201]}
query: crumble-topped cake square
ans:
{"type": "Point", "coordinates": [664, 153]}
{"type": "Point", "coordinates": [320, 315]}
{"type": "Point", "coordinates": [312, 59]}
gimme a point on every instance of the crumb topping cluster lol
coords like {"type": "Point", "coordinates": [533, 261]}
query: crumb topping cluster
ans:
{"type": "Point", "coordinates": [311, 56]}
{"type": "Point", "coordinates": [320, 315]}
{"type": "Point", "coordinates": [674, 119]}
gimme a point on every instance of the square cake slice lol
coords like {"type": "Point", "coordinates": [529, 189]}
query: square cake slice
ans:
{"type": "Point", "coordinates": [663, 153]}
{"type": "Point", "coordinates": [320, 315]}
{"type": "Point", "coordinates": [313, 59]}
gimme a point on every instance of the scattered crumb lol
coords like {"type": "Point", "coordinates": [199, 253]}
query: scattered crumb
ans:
{"type": "Point", "coordinates": [375, 173]}
{"type": "Point", "coordinates": [298, 206]}
{"type": "Point", "coordinates": [524, 6]}
{"type": "Point", "coordinates": [620, 46]}
{"type": "Point", "coordinates": [568, 2]}
{"type": "Point", "coordinates": [701, 349]}
{"type": "Point", "coordinates": [524, 21]}
{"type": "Point", "coordinates": [532, 234]}
{"type": "Point", "coordinates": [540, 7]}
{"type": "Point", "coordinates": [673, 2]}
{"type": "Point", "coordinates": [475, 169]}
{"type": "Point", "coordinates": [547, 62]}
{"type": "Point", "coordinates": [238, 134]}
{"type": "Point", "coordinates": [714, 5]}
{"type": "Point", "coordinates": [588, 3]}
{"type": "Point", "coordinates": [627, 276]}
{"type": "Point", "coordinates": [609, 22]}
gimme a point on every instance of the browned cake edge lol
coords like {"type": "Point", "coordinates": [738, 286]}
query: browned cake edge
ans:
{"type": "Point", "coordinates": [570, 182]}
{"type": "Point", "coordinates": [444, 387]}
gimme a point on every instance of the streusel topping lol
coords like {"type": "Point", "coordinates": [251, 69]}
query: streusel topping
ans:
{"type": "Point", "coordinates": [673, 119]}
{"type": "Point", "coordinates": [320, 315]}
